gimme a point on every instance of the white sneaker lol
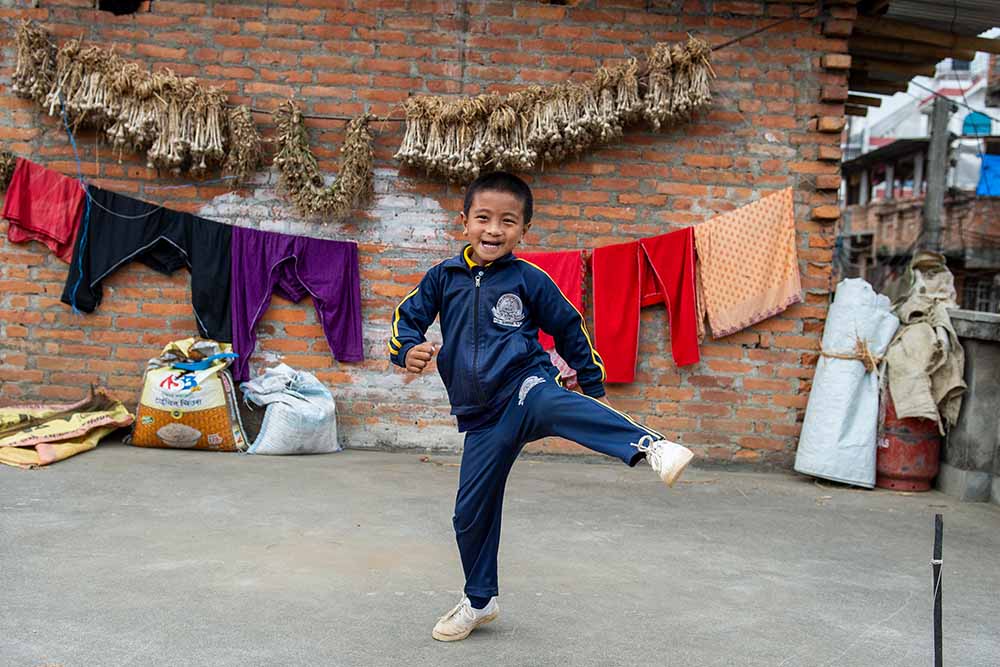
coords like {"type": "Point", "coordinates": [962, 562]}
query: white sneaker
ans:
{"type": "Point", "coordinates": [667, 458]}
{"type": "Point", "coordinates": [463, 619]}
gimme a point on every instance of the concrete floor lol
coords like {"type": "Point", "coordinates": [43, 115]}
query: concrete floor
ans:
{"type": "Point", "coordinates": [126, 556]}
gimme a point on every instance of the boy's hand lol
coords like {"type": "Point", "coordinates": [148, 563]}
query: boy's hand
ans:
{"type": "Point", "coordinates": [418, 356]}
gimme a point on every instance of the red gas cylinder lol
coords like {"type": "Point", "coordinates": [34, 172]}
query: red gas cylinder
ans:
{"type": "Point", "coordinates": [909, 452]}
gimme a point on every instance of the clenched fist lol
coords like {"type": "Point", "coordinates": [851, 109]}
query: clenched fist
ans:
{"type": "Point", "coordinates": [418, 356]}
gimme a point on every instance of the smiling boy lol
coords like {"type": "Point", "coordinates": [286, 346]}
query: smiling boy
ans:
{"type": "Point", "coordinates": [502, 387]}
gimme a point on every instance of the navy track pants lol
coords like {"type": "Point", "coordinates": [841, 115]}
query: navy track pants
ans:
{"type": "Point", "coordinates": [541, 408]}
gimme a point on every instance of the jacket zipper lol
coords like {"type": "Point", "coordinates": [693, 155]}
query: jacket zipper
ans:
{"type": "Point", "coordinates": [475, 353]}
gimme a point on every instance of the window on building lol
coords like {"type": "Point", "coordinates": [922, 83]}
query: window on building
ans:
{"type": "Point", "coordinates": [853, 182]}
{"type": "Point", "coordinates": [960, 65]}
{"type": "Point", "coordinates": [977, 124]}
{"type": "Point", "coordinates": [981, 293]}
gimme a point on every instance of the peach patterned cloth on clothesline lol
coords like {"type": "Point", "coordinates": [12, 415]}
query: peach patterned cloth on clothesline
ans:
{"type": "Point", "coordinates": [748, 267]}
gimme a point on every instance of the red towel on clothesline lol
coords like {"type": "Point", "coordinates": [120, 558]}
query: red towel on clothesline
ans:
{"type": "Point", "coordinates": [566, 270]}
{"type": "Point", "coordinates": [43, 205]}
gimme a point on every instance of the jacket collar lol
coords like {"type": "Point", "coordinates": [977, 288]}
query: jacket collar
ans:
{"type": "Point", "coordinates": [462, 260]}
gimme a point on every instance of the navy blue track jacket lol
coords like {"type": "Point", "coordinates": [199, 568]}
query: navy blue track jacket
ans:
{"type": "Point", "coordinates": [490, 317]}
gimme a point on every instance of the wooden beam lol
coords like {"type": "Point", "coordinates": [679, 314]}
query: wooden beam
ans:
{"type": "Point", "coordinates": [879, 87]}
{"type": "Point", "coordinates": [864, 101]}
{"type": "Point", "coordinates": [909, 70]}
{"type": "Point", "coordinates": [854, 110]}
{"type": "Point", "coordinates": [915, 33]}
{"type": "Point", "coordinates": [881, 77]}
{"type": "Point", "coordinates": [898, 47]}
{"type": "Point", "coordinates": [856, 77]}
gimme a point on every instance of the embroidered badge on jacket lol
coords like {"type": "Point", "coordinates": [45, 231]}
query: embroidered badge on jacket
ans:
{"type": "Point", "coordinates": [509, 311]}
{"type": "Point", "coordinates": [529, 383]}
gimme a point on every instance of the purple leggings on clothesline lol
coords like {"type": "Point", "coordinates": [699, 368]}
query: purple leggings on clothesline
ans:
{"type": "Point", "coordinates": [293, 266]}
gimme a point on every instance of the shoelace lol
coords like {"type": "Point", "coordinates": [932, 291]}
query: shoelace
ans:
{"type": "Point", "coordinates": [644, 439]}
{"type": "Point", "coordinates": [462, 609]}
{"type": "Point", "coordinates": [652, 453]}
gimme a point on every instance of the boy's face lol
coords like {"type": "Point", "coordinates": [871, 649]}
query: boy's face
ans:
{"type": "Point", "coordinates": [494, 226]}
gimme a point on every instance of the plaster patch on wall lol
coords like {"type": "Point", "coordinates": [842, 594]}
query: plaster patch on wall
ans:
{"type": "Point", "coordinates": [395, 218]}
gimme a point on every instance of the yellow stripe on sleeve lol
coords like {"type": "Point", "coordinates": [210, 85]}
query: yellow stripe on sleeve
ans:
{"type": "Point", "coordinates": [395, 320]}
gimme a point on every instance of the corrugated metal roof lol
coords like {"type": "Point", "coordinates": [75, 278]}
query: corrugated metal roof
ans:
{"type": "Point", "coordinates": [965, 17]}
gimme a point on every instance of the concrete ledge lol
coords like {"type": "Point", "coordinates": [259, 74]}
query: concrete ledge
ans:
{"type": "Point", "coordinates": [975, 324]}
{"type": "Point", "coordinates": [967, 485]}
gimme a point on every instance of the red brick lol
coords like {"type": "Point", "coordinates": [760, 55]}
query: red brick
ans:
{"type": "Point", "coordinates": [830, 153]}
{"type": "Point", "coordinates": [838, 27]}
{"type": "Point", "coordinates": [161, 52]}
{"type": "Point", "coordinates": [837, 61]}
{"type": "Point", "coordinates": [238, 41]}
{"type": "Point", "coordinates": [296, 15]}
{"type": "Point", "coordinates": [716, 161]}
{"type": "Point", "coordinates": [528, 11]}
{"type": "Point", "coordinates": [758, 442]}
{"type": "Point", "coordinates": [237, 11]}
{"type": "Point", "coordinates": [831, 124]}
{"type": "Point", "coordinates": [181, 8]}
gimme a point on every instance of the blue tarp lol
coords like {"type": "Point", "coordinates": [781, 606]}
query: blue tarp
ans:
{"type": "Point", "coordinates": [989, 177]}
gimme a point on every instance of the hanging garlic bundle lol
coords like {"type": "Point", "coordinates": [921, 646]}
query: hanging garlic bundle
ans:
{"type": "Point", "coordinates": [300, 175]}
{"type": "Point", "coordinates": [418, 123]}
{"type": "Point", "coordinates": [505, 138]}
{"type": "Point", "coordinates": [700, 74]}
{"type": "Point", "coordinates": [183, 125]}
{"type": "Point", "coordinates": [446, 157]}
{"type": "Point", "coordinates": [606, 90]}
{"type": "Point", "coordinates": [7, 163]}
{"type": "Point", "coordinates": [475, 150]}
{"type": "Point", "coordinates": [208, 116]}
{"type": "Point", "coordinates": [628, 104]}
{"type": "Point", "coordinates": [528, 128]}
{"type": "Point", "coordinates": [659, 87]}
{"type": "Point", "coordinates": [244, 154]}
{"type": "Point", "coordinates": [36, 62]}
{"type": "Point", "coordinates": [680, 103]}
{"type": "Point", "coordinates": [548, 116]}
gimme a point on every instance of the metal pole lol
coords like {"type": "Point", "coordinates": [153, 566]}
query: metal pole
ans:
{"type": "Point", "coordinates": [937, 174]}
{"type": "Point", "coordinates": [936, 572]}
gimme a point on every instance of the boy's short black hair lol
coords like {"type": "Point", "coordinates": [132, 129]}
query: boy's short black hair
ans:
{"type": "Point", "coordinates": [501, 181]}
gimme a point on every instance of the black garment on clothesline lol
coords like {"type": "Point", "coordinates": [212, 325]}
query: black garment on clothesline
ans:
{"type": "Point", "coordinates": [163, 240]}
{"type": "Point", "coordinates": [119, 7]}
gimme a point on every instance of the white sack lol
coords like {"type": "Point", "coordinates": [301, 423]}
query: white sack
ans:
{"type": "Point", "coordinates": [841, 422]}
{"type": "Point", "coordinates": [301, 416]}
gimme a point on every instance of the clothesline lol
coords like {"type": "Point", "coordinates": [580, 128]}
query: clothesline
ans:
{"type": "Point", "coordinates": [766, 225]}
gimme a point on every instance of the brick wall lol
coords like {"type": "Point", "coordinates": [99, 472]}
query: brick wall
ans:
{"type": "Point", "coordinates": [775, 123]}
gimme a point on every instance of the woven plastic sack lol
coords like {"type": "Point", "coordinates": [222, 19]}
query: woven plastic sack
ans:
{"type": "Point", "coordinates": [183, 408]}
{"type": "Point", "coordinates": [841, 421]}
{"type": "Point", "coordinates": [301, 416]}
